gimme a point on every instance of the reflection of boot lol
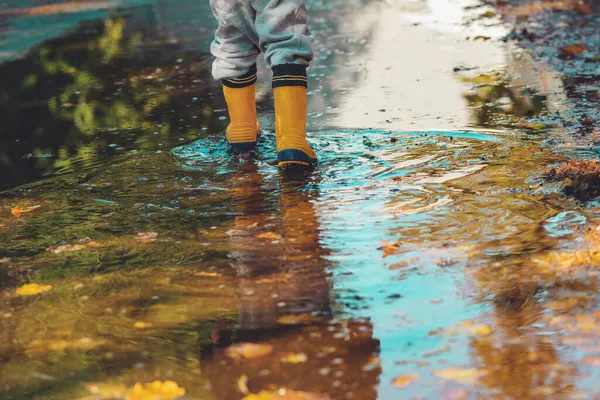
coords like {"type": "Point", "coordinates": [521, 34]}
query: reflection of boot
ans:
{"type": "Point", "coordinates": [289, 88]}
{"type": "Point", "coordinates": [240, 95]}
{"type": "Point", "coordinates": [307, 290]}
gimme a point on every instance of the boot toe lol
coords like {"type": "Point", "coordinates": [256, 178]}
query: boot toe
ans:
{"type": "Point", "coordinates": [295, 157]}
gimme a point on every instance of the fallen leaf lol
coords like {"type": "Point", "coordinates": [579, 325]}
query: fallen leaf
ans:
{"type": "Point", "coordinates": [32, 289]}
{"type": "Point", "coordinates": [209, 274]}
{"type": "Point", "coordinates": [86, 343]}
{"type": "Point", "coordinates": [481, 37]}
{"type": "Point", "coordinates": [108, 390]}
{"type": "Point", "coordinates": [572, 50]}
{"type": "Point", "coordinates": [389, 249]}
{"type": "Point", "coordinates": [243, 384]}
{"type": "Point", "coordinates": [157, 390]}
{"type": "Point", "coordinates": [142, 325]}
{"type": "Point", "coordinates": [465, 328]}
{"type": "Point", "coordinates": [294, 358]}
{"type": "Point", "coordinates": [18, 210]}
{"type": "Point", "coordinates": [465, 376]}
{"type": "Point", "coordinates": [39, 346]}
{"type": "Point", "coordinates": [405, 380]}
{"type": "Point", "coordinates": [286, 394]}
{"type": "Point", "coordinates": [248, 350]}
{"type": "Point", "coordinates": [269, 235]}
{"type": "Point", "coordinates": [94, 245]}
{"type": "Point", "coordinates": [488, 14]}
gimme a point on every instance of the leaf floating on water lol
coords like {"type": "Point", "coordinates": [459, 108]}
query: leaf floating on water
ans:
{"type": "Point", "coordinates": [294, 358]}
{"type": "Point", "coordinates": [157, 390]}
{"type": "Point", "coordinates": [465, 376]}
{"type": "Point", "coordinates": [33, 289]}
{"type": "Point", "coordinates": [248, 350]}
{"type": "Point", "coordinates": [142, 325]}
{"type": "Point", "coordinates": [465, 328]}
{"type": "Point", "coordinates": [572, 50]}
{"type": "Point", "coordinates": [18, 210]}
{"type": "Point", "coordinates": [405, 380]}
{"type": "Point", "coordinates": [269, 235]}
{"type": "Point", "coordinates": [389, 249]}
{"type": "Point", "coordinates": [286, 394]}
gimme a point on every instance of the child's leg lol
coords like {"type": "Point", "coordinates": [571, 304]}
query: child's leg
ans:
{"type": "Point", "coordinates": [284, 37]}
{"type": "Point", "coordinates": [235, 65]}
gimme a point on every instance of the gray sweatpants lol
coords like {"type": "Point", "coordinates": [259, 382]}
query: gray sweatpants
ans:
{"type": "Point", "coordinates": [278, 28]}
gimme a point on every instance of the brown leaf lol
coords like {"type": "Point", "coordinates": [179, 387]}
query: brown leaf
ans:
{"type": "Point", "coordinates": [481, 37]}
{"type": "Point", "coordinates": [572, 50]}
{"type": "Point", "coordinates": [269, 235]}
{"type": "Point", "coordinates": [403, 381]}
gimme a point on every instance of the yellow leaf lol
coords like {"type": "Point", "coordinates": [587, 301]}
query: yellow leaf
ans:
{"type": "Point", "coordinates": [294, 358]}
{"type": "Point", "coordinates": [210, 274]}
{"type": "Point", "coordinates": [405, 380]}
{"type": "Point", "coordinates": [18, 210]}
{"type": "Point", "coordinates": [299, 319]}
{"type": "Point", "coordinates": [43, 346]}
{"type": "Point", "coordinates": [142, 325]}
{"type": "Point", "coordinates": [157, 390]}
{"type": "Point", "coordinates": [32, 289]}
{"type": "Point", "coordinates": [465, 376]}
{"type": "Point", "coordinates": [269, 235]}
{"type": "Point", "coordinates": [286, 394]}
{"type": "Point", "coordinates": [389, 249]}
{"type": "Point", "coordinates": [108, 390]}
{"type": "Point", "coordinates": [243, 384]}
{"type": "Point", "coordinates": [248, 350]}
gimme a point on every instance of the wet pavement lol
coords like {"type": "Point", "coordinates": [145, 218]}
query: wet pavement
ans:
{"type": "Point", "coordinates": [424, 258]}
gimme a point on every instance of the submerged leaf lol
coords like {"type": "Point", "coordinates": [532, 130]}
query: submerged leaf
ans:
{"type": "Point", "coordinates": [243, 384]}
{"type": "Point", "coordinates": [157, 390]}
{"type": "Point", "coordinates": [405, 380]}
{"type": "Point", "coordinates": [248, 350]}
{"type": "Point", "coordinates": [32, 289]}
{"type": "Point", "coordinates": [18, 210]}
{"type": "Point", "coordinates": [465, 376]}
{"type": "Point", "coordinates": [269, 235]}
{"type": "Point", "coordinates": [286, 394]}
{"type": "Point", "coordinates": [294, 358]}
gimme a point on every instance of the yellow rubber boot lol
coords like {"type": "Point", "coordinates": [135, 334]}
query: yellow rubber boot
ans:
{"type": "Point", "coordinates": [244, 128]}
{"type": "Point", "coordinates": [290, 127]}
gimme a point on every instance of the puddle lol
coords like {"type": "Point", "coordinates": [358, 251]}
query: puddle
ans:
{"type": "Point", "coordinates": [422, 258]}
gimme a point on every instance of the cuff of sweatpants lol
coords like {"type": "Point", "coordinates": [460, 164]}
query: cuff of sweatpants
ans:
{"type": "Point", "coordinates": [248, 79]}
{"type": "Point", "coordinates": [289, 75]}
